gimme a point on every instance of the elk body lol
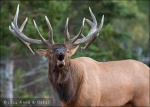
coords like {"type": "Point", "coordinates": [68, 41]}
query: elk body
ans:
{"type": "Point", "coordinates": [83, 81]}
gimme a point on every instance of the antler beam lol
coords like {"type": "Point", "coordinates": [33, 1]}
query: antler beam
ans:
{"type": "Point", "coordinates": [93, 33]}
{"type": "Point", "coordinates": [91, 36]}
{"type": "Point", "coordinates": [26, 40]}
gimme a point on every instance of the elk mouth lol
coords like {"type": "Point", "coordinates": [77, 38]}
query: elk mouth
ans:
{"type": "Point", "coordinates": [60, 61]}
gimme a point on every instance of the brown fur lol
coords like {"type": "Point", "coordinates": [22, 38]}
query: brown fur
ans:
{"type": "Point", "coordinates": [66, 82]}
{"type": "Point", "coordinates": [86, 82]}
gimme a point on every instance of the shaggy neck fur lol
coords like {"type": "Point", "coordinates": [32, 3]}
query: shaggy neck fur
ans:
{"type": "Point", "coordinates": [66, 81]}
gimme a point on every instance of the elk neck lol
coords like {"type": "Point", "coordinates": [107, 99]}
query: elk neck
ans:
{"type": "Point", "coordinates": [67, 81]}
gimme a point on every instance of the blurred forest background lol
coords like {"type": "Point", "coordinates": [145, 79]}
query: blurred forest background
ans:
{"type": "Point", "coordinates": [125, 35]}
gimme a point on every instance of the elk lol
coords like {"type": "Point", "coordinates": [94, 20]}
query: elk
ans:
{"type": "Point", "coordinates": [83, 81]}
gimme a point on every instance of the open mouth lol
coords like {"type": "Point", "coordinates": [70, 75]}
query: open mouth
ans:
{"type": "Point", "coordinates": [60, 61]}
{"type": "Point", "coordinates": [60, 57]}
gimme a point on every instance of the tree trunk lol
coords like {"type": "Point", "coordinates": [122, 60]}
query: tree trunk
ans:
{"type": "Point", "coordinates": [8, 86]}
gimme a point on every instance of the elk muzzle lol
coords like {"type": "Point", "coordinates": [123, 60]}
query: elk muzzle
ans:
{"type": "Point", "coordinates": [60, 56]}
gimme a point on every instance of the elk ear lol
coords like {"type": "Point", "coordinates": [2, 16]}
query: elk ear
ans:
{"type": "Point", "coordinates": [73, 50]}
{"type": "Point", "coordinates": [41, 52]}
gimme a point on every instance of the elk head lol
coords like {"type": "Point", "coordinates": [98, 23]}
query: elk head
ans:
{"type": "Point", "coordinates": [59, 54]}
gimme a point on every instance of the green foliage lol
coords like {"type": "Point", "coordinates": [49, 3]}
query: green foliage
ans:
{"type": "Point", "coordinates": [125, 29]}
{"type": "Point", "coordinates": [118, 39]}
{"type": "Point", "coordinates": [125, 26]}
{"type": "Point", "coordinates": [33, 10]}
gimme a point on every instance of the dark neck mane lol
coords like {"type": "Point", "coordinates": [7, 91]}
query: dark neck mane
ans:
{"type": "Point", "coordinates": [67, 81]}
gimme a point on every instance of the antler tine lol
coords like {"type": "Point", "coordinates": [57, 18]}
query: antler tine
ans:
{"type": "Point", "coordinates": [96, 33]}
{"type": "Point", "coordinates": [92, 24]}
{"type": "Point", "coordinates": [23, 24]}
{"type": "Point", "coordinates": [89, 22]}
{"type": "Point", "coordinates": [93, 33]}
{"type": "Point", "coordinates": [89, 43]}
{"type": "Point", "coordinates": [80, 32]}
{"type": "Point", "coordinates": [93, 17]}
{"type": "Point", "coordinates": [89, 37]}
{"type": "Point", "coordinates": [22, 37]}
{"type": "Point", "coordinates": [20, 34]}
{"type": "Point", "coordinates": [50, 31]}
{"type": "Point", "coordinates": [21, 29]}
{"type": "Point", "coordinates": [66, 33]}
{"type": "Point", "coordinates": [41, 37]}
{"type": "Point", "coordinates": [82, 35]}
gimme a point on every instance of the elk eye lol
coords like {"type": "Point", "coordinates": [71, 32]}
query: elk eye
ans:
{"type": "Point", "coordinates": [51, 51]}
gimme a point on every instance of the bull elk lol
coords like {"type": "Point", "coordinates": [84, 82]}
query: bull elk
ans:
{"type": "Point", "coordinates": [83, 81]}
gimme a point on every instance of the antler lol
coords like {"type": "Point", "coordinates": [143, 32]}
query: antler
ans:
{"type": "Point", "coordinates": [26, 40]}
{"type": "Point", "coordinates": [67, 35]}
{"type": "Point", "coordinates": [91, 36]}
